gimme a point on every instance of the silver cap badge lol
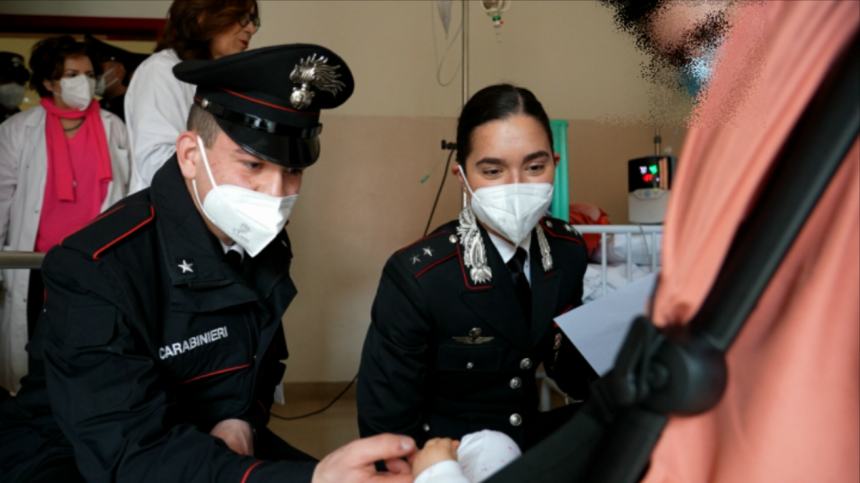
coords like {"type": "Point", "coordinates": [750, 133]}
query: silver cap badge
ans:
{"type": "Point", "coordinates": [313, 71]}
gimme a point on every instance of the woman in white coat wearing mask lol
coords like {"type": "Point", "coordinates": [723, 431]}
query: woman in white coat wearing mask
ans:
{"type": "Point", "coordinates": [61, 164]}
{"type": "Point", "coordinates": [157, 103]}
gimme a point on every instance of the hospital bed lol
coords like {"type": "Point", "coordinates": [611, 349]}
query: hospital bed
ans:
{"type": "Point", "coordinates": [625, 253]}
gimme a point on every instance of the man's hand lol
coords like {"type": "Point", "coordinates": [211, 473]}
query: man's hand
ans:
{"type": "Point", "coordinates": [434, 451]}
{"type": "Point", "coordinates": [237, 434]}
{"type": "Point", "coordinates": [354, 462]}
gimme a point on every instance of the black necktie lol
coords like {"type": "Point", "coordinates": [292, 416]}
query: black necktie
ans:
{"type": "Point", "coordinates": [521, 284]}
{"type": "Point", "coordinates": [234, 259]}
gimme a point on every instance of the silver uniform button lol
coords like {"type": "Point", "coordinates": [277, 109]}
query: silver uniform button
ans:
{"type": "Point", "coordinates": [452, 238]}
{"type": "Point", "coordinates": [515, 419]}
{"type": "Point", "coordinates": [470, 365]}
{"type": "Point", "coordinates": [516, 383]}
{"type": "Point", "coordinates": [426, 428]}
{"type": "Point", "coordinates": [526, 363]}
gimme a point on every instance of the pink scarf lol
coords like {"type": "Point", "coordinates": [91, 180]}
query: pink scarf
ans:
{"type": "Point", "coordinates": [58, 149]}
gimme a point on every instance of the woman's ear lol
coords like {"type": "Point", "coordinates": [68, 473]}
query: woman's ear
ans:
{"type": "Point", "coordinates": [49, 85]}
{"type": "Point", "coordinates": [187, 154]}
{"type": "Point", "coordinates": [458, 172]}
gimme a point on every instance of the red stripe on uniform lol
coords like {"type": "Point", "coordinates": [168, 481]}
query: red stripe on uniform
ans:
{"type": "Point", "coordinates": [565, 237]}
{"type": "Point", "coordinates": [219, 371]}
{"type": "Point", "coordinates": [106, 213]}
{"type": "Point", "coordinates": [437, 262]}
{"type": "Point", "coordinates": [129, 232]}
{"type": "Point", "coordinates": [267, 104]}
{"type": "Point", "coordinates": [249, 470]}
{"type": "Point", "coordinates": [465, 278]}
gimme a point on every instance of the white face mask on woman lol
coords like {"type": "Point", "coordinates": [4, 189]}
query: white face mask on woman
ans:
{"type": "Point", "coordinates": [77, 91]}
{"type": "Point", "coordinates": [250, 218]}
{"type": "Point", "coordinates": [512, 210]}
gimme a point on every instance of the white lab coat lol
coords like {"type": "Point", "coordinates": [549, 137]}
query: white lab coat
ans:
{"type": "Point", "coordinates": [23, 171]}
{"type": "Point", "coordinates": [156, 111]}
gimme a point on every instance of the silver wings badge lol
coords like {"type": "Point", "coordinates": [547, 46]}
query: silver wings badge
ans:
{"type": "Point", "coordinates": [474, 337]}
{"type": "Point", "coordinates": [315, 72]}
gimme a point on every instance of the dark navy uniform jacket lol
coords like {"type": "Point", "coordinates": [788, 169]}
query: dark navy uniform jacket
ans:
{"type": "Point", "coordinates": [149, 338]}
{"type": "Point", "coordinates": [445, 356]}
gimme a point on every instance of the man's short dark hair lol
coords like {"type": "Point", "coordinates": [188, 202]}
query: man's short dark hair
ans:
{"type": "Point", "coordinates": [204, 123]}
{"type": "Point", "coordinates": [632, 16]}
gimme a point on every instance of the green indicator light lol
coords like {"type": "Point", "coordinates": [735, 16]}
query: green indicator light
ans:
{"type": "Point", "coordinates": [653, 169]}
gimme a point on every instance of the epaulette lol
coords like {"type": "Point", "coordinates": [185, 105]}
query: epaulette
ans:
{"type": "Point", "coordinates": [110, 228]}
{"type": "Point", "coordinates": [561, 229]}
{"type": "Point", "coordinates": [431, 251]}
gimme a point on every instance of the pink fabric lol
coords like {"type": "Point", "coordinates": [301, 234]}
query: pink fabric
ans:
{"type": "Point", "coordinates": [62, 217]}
{"type": "Point", "coordinates": [791, 411]}
{"type": "Point", "coordinates": [58, 152]}
{"type": "Point", "coordinates": [79, 172]}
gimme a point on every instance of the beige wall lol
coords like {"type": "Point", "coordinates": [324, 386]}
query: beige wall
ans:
{"type": "Point", "coordinates": [568, 52]}
{"type": "Point", "coordinates": [365, 198]}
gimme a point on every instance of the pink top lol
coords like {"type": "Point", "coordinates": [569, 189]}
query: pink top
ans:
{"type": "Point", "coordinates": [791, 410]}
{"type": "Point", "coordinates": [60, 218]}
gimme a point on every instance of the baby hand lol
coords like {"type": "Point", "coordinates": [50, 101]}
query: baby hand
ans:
{"type": "Point", "coordinates": [434, 451]}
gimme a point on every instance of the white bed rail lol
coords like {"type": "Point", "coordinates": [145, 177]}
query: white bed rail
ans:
{"type": "Point", "coordinates": [649, 234]}
{"type": "Point", "coordinates": [647, 231]}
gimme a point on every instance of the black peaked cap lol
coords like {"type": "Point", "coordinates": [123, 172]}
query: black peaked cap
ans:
{"type": "Point", "coordinates": [102, 51]}
{"type": "Point", "coordinates": [268, 100]}
{"type": "Point", "coordinates": [12, 68]}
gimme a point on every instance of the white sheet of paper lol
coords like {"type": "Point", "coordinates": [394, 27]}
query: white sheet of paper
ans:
{"type": "Point", "coordinates": [598, 328]}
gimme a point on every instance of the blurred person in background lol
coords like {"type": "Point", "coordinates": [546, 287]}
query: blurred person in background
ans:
{"type": "Point", "coordinates": [61, 164]}
{"type": "Point", "coordinates": [157, 103]}
{"type": "Point", "coordinates": [117, 67]}
{"type": "Point", "coordinates": [13, 81]}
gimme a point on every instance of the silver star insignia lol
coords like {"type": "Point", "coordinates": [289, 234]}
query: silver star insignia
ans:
{"type": "Point", "coordinates": [428, 251]}
{"type": "Point", "coordinates": [185, 266]}
{"type": "Point", "coordinates": [416, 259]}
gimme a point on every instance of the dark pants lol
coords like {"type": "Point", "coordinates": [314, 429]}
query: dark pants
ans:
{"type": "Point", "coordinates": [35, 301]}
{"type": "Point", "coordinates": [56, 470]}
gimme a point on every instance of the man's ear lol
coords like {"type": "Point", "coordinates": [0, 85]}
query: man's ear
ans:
{"type": "Point", "coordinates": [556, 158]}
{"type": "Point", "coordinates": [187, 153]}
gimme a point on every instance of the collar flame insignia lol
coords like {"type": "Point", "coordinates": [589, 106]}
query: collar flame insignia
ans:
{"type": "Point", "coordinates": [315, 72]}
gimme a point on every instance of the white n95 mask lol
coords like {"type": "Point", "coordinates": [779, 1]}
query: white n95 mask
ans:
{"type": "Point", "coordinates": [511, 209]}
{"type": "Point", "coordinates": [249, 218]}
{"type": "Point", "coordinates": [77, 91]}
{"type": "Point", "coordinates": [105, 81]}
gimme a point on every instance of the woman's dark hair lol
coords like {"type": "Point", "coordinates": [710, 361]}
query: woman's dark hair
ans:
{"type": "Point", "coordinates": [496, 102]}
{"type": "Point", "coordinates": [48, 59]}
{"type": "Point", "coordinates": [192, 24]}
